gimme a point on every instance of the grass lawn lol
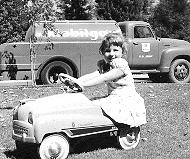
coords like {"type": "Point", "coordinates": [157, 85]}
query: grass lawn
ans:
{"type": "Point", "coordinates": [165, 136]}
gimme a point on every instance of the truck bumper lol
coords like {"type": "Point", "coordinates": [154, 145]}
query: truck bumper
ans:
{"type": "Point", "coordinates": [23, 131]}
{"type": "Point", "coordinates": [164, 69]}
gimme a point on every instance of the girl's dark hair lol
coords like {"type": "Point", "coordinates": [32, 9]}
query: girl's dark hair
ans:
{"type": "Point", "coordinates": [115, 39]}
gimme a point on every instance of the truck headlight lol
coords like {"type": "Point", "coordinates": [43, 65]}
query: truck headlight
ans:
{"type": "Point", "coordinates": [30, 118]}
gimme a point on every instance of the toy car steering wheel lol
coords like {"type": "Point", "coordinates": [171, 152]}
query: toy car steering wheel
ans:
{"type": "Point", "coordinates": [71, 82]}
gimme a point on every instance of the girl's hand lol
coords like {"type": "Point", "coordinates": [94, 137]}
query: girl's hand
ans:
{"type": "Point", "coordinates": [70, 81]}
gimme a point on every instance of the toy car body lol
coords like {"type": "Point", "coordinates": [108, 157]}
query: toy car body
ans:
{"type": "Point", "coordinates": [50, 122]}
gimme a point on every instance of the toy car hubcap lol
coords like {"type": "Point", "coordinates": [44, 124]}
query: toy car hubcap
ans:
{"type": "Point", "coordinates": [127, 140]}
{"type": "Point", "coordinates": [54, 150]}
{"type": "Point", "coordinates": [54, 147]}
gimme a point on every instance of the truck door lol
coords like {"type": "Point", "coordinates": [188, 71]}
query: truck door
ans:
{"type": "Point", "coordinates": [144, 47]}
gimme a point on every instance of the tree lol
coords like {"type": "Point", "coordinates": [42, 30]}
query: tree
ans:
{"type": "Point", "coordinates": [172, 19]}
{"type": "Point", "coordinates": [121, 10]}
{"type": "Point", "coordinates": [16, 16]}
{"type": "Point", "coordinates": [80, 10]}
{"type": "Point", "coordinates": [12, 27]}
{"type": "Point", "coordinates": [43, 10]}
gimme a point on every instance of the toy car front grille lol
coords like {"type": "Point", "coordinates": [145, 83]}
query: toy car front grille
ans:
{"type": "Point", "coordinates": [20, 130]}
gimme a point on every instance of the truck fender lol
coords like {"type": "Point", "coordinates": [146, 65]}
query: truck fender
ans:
{"type": "Point", "coordinates": [57, 58]}
{"type": "Point", "coordinates": [169, 55]}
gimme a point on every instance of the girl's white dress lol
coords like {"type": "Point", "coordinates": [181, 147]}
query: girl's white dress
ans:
{"type": "Point", "coordinates": [123, 103]}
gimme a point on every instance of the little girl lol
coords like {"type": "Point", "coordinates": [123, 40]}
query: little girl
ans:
{"type": "Point", "coordinates": [123, 104]}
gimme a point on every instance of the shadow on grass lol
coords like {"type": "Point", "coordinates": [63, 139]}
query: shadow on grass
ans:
{"type": "Point", "coordinates": [84, 144]}
{"type": "Point", "coordinates": [14, 154]}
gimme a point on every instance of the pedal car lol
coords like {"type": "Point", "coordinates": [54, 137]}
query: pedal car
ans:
{"type": "Point", "coordinates": [52, 122]}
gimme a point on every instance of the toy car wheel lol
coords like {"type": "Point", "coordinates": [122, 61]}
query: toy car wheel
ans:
{"type": "Point", "coordinates": [180, 71]}
{"type": "Point", "coordinates": [54, 146]}
{"type": "Point", "coordinates": [129, 139]}
{"type": "Point", "coordinates": [49, 74]}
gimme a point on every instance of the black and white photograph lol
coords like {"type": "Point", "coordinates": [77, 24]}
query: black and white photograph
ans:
{"type": "Point", "coordinates": [94, 79]}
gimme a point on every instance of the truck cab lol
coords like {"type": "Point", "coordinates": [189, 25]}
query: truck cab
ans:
{"type": "Point", "coordinates": [142, 44]}
{"type": "Point", "coordinates": [150, 54]}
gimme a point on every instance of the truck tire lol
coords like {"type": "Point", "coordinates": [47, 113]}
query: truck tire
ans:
{"type": "Point", "coordinates": [49, 74]}
{"type": "Point", "coordinates": [179, 71]}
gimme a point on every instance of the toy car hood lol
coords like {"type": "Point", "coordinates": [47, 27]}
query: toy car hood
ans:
{"type": "Point", "coordinates": [73, 106]}
{"type": "Point", "coordinates": [47, 104]}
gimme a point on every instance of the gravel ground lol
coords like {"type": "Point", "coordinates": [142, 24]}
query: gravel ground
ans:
{"type": "Point", "coordinates": [165, 136]}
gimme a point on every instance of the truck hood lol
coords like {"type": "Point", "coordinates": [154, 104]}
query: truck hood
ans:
{"type": "Point", "coordinates": [173, 42]}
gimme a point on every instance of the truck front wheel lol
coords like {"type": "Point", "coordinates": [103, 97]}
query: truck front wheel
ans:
{"type": "Point", "coordinates": [179, 71]}
{"type": "Point", "coordinates": [49, 74]}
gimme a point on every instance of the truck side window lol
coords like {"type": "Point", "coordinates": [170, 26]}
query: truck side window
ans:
{"type": "Point", "coordinates": [136, 33]}
{"type": "Point", "coordinates": [142, 32]}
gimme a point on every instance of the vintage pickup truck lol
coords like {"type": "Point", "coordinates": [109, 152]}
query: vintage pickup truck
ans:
{"type": "Point", "coordinates": [72, 47]}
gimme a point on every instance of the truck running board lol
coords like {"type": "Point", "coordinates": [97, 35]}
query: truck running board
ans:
{"type": "Point", "coordinates": [144, 71]}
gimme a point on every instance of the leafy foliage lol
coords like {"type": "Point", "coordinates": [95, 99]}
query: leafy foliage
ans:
{"type": "Point", "coordinates": [80, 10]}
{"type": "Point", "coordinates": [45, 9]}
{"type": "Point", "coordinates": [16, 16]}
{"type": "Point", "coordinates": [12, 26]}
{"type": "Point", "coordinates": [172, 19]}
{"type": "Point", "coordinates": [169, 18]}
{"type": "Point", "coordinates": [121, 10]}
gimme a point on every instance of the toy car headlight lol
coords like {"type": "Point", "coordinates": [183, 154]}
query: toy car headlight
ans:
{"type": "Point", "coordinates": [15, 112]}
{"type": "Point", "coordinates": [30, 118]}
